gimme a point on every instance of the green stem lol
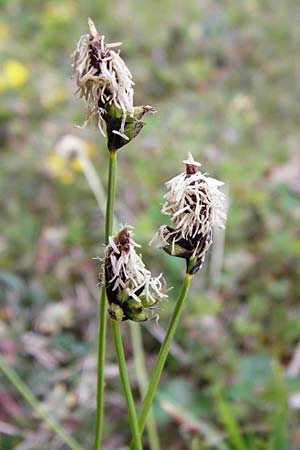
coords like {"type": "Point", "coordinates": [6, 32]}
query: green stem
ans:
{"type": "Point", "coordinates": [114, 324]}
{"type": "Point", "coordinates": [100, 371]}
{"type": "Point", "coordinates": [95, 184]}
{"type": "Point", "coordinates": [162, 356]}
{"type": "Point", "coordinates": [141, 372]}
{"type": "Point", "coordinates": [102, 304]}
{"type": "Point", "coordinates": [14, 378]}
{"type": "Point", "coordinates": [112, 175]}
{"type": "Point", "coordinates": [134, 425]}
{"type": "Point", "coordinates": [116, 332]}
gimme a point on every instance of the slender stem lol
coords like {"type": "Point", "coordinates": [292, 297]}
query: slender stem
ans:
{"type": "Point", "coordinates": [114, 324]}
{"type": "Point", "coordinates": [116, 332]}
{"type": "Point", "coordinates": [111, 193]}
{"type": "Point", "coordinates": [134, 425]}
{"type": "Point", "coordinates": [102, 305]}
{"type": "Point", "coordinates": [14, 378]}
{"type": "Point", "coordinates": [141, 372]}
{"type": "Point", "coordinates": [100, 371]}
{"type": "Point", "coordinates": [95, 184]}
{"type": "Point", "coordinates": [162, 356]}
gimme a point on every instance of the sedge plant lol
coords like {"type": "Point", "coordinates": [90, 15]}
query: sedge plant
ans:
{"type": "Point", "coordinates": [106, 84]}
{"type": "Point", "coordinates": [193, 201]}
{"type": "Point", "coordinates": [73, 151]}
{"type": "Point", "coordinates": [196, 206]}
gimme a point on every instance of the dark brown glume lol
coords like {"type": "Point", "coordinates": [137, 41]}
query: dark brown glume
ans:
{"type": "Point", "coordinates": [122, 241]}
{"type": "Point", "coordinates": [189, 245]}
{"type": "Point", "coordinates": [115, 141]}
{"type": "Point", "coordinates": [190, 169]}
{"type": "Point", "coordinates": [96, 54]}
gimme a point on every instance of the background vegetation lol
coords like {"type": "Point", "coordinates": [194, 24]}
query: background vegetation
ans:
{"type": "Point", "coordinates": [225, 78]}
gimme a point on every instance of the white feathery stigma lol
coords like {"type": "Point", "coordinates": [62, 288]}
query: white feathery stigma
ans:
{"type": "Point", "coordinates": [102, 77]}
{"type": "Point", "coordinates": [128, 272]}
{"type": "Point", "coordinates": [195, 205]}
{"type": "Point", "coordinates": [194, 202]}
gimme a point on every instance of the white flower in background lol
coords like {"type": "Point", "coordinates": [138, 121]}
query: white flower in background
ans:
{"type": "Point", "coordinates": [195, 205]}
{"type": "Point", "coordinates": [70, 155]}
{"type": "Point", "coordinates": [102, 78]}
{"type": "Point", "coordinates": [130, 287]}
{"type": "Point", "coordinates": [70, 146]}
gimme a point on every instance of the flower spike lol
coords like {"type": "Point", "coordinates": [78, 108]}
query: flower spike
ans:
{"type": "Point", "coordinates": [106, 84]}
{"type": "Point", "coordinates": [195, 205]}
{"type": "Point", "coordinates": [131, 290]}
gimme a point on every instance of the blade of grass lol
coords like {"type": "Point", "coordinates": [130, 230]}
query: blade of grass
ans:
{"type": "Point", "coordinates": [230, 423]}
{"type": "Point", "coordinates": [279, 417]}
{"type": "Point", "coordinates": [26, 393]}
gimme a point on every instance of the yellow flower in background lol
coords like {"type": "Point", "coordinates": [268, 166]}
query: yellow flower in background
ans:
{"type": "Point", "coordinates": [67, 156]}
{"type": "Point", "coordinates": [58, 167]}
{"type": "Point", "coordinates": [13, 75]}
{"type": "Point", "coordinates": [76, 165]}
{"type": "Point", "coordinates": [90, 149]}
{"type": "Point", "coordinates": [16, 73]}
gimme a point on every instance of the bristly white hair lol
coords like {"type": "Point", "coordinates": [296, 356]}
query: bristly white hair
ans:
{"type": "Point", "coordinates": [196, 206]}
{"type": "Point", "coordinates": [102, 75]}
{"type": "Point", "coordinates": [129, 273]}
{"type": "Point", "coordinates": [194, 202]}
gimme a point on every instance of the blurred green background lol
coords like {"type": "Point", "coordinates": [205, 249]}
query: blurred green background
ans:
{"type": "Point", "coordinates": [225, 79]}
